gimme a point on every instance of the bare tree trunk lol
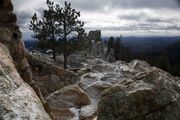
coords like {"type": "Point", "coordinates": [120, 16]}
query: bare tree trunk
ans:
{"type": "Point", "coordinates": [54, 53]}
{"type": "Point", "coordinates": [65, 60]}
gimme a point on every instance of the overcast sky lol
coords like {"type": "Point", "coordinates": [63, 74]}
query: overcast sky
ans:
{"type": "Point", "coordinates": [115, 17]}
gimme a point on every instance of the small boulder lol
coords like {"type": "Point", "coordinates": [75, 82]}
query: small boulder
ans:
{"type": "Point", "coordinates": [70, 96]}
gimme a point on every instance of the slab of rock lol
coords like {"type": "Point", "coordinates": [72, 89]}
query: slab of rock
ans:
{"type": "Point", "coordinates": [17, 97]}
{"type": "Point", "coordinates": [69, 100]}
{"type": "Point", "coordinates": [70, 96]}
{"type": "Point", "coordinates": [152, 95]}
{"type": "Point", "coordinates": [129, 91]}
{"type": "Point", "coordinates": [18, 101]}
{"type": "Point", "coordinates": [50, 77]}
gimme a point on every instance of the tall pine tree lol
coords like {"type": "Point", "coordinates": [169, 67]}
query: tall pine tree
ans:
{"type": "Point", "coordinates": [69, 28]}
{"type": "Point", "coordinates": [60, 29]}
{"type": "Point", "coordinates": [45, 28]}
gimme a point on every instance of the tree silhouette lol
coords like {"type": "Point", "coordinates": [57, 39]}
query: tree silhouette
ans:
{"type": "Point", "coordinates": [68, 26]}
{"type": "Point", "coordinates": [59, 29]}
{"type": "Point", "coordinates": [45, 28]}
{"type": "Point", "coordinates": [110, 44]}
{"type": "Point", "coordinates": [117, 48]}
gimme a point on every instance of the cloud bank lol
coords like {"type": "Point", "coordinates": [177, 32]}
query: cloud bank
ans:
{"type": "Point", "coordinates": [115, 17]}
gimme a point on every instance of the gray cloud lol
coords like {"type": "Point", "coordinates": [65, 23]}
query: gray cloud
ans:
{"type": "Point", "coordinates": [161, 20]}
{"type": "Point", "coordinates": [146, 3]}
{"type": "Point", "coordinates": [89, 5]}
{"type": "Point", "coordinates": [132, 4]}
{"type": "Point", "coordinates": [178, 1]}
{"type": "Point", "coordinates": [149, 19]}
{"type": "Point", "coordinates": [141, 27]}
{"type": "Point", "coordinates": [143, 21]}
{"type": "Point", "coordinates": [133, 21]}
{"type": "Point", "coordinates": [99, 5]}
{"type": "Point", "coordinates": [23, 19]}
{"type": "Point", "coordinates": [133, 16]}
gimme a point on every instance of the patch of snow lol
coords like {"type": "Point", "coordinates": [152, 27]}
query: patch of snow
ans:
{"type": "Point", "coordinates": [76, 113]}
{"type": "Point", "coordinates": [89, 110]}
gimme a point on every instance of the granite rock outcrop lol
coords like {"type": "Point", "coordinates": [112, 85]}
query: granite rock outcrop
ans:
{"type": "Point", "coordinates": [17, 97]}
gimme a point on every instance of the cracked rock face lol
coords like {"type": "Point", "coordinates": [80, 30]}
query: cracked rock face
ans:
{"type": "Point", "coordinates": [151, 94]}
{"type": "Point", "coordinates": [18, 101]}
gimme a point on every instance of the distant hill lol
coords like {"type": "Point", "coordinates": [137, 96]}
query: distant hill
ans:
{"type": "Point", "coordinates": [173, 53]}
{"type": "Point", "coordinates": [148, 44]}
{"type": "Point", "coordinates": [136, 44]}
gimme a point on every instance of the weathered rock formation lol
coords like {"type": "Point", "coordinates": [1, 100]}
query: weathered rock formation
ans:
{"type": "Point", "coordinates": [68, 99]}
{"type": "Point", "coordinates": [143, 93]}
{"type": "Point", "coordinates": [94, 35]}
{"type": "Point", "coordinates": [50, 77]}
{"type": "Point", "coordinates": [17, 99]}
{"type": "Point", "coordinates": [6, 15]}
{"type": "Point", "coordinates": [121, 91]}
{"type": "Point", "coordinates": [99, 49]}
{"type": "Point", "coordinates": [106, 91]}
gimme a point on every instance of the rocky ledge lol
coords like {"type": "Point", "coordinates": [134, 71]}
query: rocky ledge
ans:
{"type": "Point", "coordinates": [142, 93]}
{"type": "Point", "coordinates": [119, 91]}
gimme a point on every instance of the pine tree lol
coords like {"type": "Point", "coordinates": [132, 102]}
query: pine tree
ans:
{"type": "Point", "coordinates": [45, 29]}
{"type": "Point", "coordinates": [68, 25]}
{"type": "Point", "coordinates": [60, 29]}
{"type": "Point", "coordinates": [110, 44]}
{"type": "Point", "coordinates": [117, 48]}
